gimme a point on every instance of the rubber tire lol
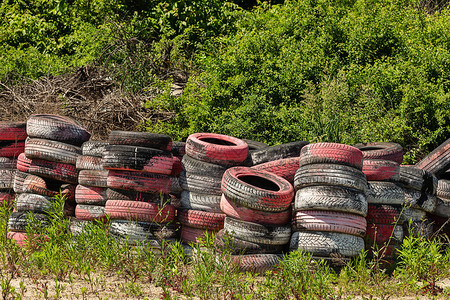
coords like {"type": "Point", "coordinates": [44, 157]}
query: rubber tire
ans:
{"type": "Point", "coordinates": [7, 178]}
{"type": "Point", "coordinates": [204, 202]}
{"type": "Point", "coordinates": [8, 149]}
{"type": "Point", "coordinates": [379, 169]}
{"type": "Point", "coordinates": [330, 174]}
{"type": "Point", "coordinates": [7, 198]}
{"type": "Point", "coordinates": [8, 163]}
{"type": "Point", "coordinates": [410, 213]}
{"type": "Point", "coordinates": [19, 179]}
{"type": "Point", "coordinates": [285, 168]}
{"type": "Point", "coordinates": [217, 148]}
{"type": "Point", "coordinates": [418, 179]}
{"type": "Point", "coordinates": [85, 162]}
{"type": "Point", "coordinates": [201, 219]}
{"type": "Point", "coordinates": [381, 150]}
{"type": "Point", "coordinates": [36, 185]}
{"type": "Point", "coordinates": [94, 148]}
{"type": "Point", "coordinates": [382, 214]}
{"type": "Point", "coordinates": [77, 227]}
{"type": "Point", "coordinates": [90, 212]}
{"type": "Point", "coordinates": [333, 198]}
{"type": "Point", "coordinates": [383, 192]}
{"type": "Point", "coordinates": [438, 160]}
{"type": "Point", "coordinates": [33, 202]}
{"type": "Point", "coordinates": [228, 243]}
{"type": "Point", "coordinates": [420, 200]}
{"type": "Point", "coordinates": [256, 263]}
{"type": "Point", "coordinates": [57, 128]}
{"type": "Point", "coordinates": [178, 148]}
{"type": "Point", "coordinates": [90, 195]}
{"type": "Point", "coordinates": [117, 194]}
{"type": "Point", "coordinates": [52, 151]}
{"type": "Point", "coordinates": [331, 153]}
{"type": "Point", "coordinates": [443, 189]}
{"type": "Point", "coordinates": [176, 167]}
{"type": "Point", "coordinates": [243, 213]}
{"type": "Point", "coordinates": [277, 152]}
{"type": "Point", "coordinates": [381, 233]}
{"type": "Point", "coordinates": [255, 145]}
{"type": "Point", "coordinates": [257, 189]}
{"type": "Point", "coordinates": [139, 232]}
{"type": "Point", "coordinates": [139, 211]}
{"type": "Point", "coordinates": [442, 208]}
{"type": "Point", "coordinates": [316, 220]}
{"type": "Point", "coordinates": [200, 184]}
{"type": "Point", "coordinates": [134, 158]}
{"type": "Point", "coordinates": [140, 181]}
{"type": "Point", "coordinates": [142, 139]}
{"type": "Point", "coordinates": [257, 233]}
{"type": "Point", "coordinates": [198, 167]}
{"type": "Point", "coordinates": [326, 244]}
{"type": "Point", "coordinates": [194, 235]}
{"type": "Point", "coordinates": [98, 178]}
{"type": "Point", "coordinates": [13, 131]}
{"type": "Point", "coordinates": [18, 221]}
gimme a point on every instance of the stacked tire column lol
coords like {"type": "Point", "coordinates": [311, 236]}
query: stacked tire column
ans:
{"type": "Point", "coordinates": [139, 182]}
{"type": "Point", "coordinates": [330, 202]}
{"type": "Point", "coordinates": [207, 157]}
{"type": "Point", "coordinates": [47, 168]}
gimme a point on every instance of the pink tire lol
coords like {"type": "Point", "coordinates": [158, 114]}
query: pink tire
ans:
{"type": "Point", "coordinates": [13, 131]}
{"type": "Point", "coordinates": [194, 235]}
{"type": "Point", "coordinates": [140, 181]}
{"type": "Point", "coordinates": [139, 211]}
{"type": "Point", "coordinates": [379, 169]}
{"type": "Point", "coordinates": [90, 195]}
{"type": "Point", "coordinates": [201, 219]}
{"type": "Point", "coordinates": [335, 153]}
{"type": "Point", "coordinates": [90, 212]}
{"type": "Point", "coordinates": [12, 149]}
{"type": "Point", "coordinates": [37, 185]}
{"type": "Point", "coordinates": [284, 168]}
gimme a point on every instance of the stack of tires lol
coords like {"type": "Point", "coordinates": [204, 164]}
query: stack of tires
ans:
{"type": "Point", "coordinates": [139, 165]}
{"type": "Point", "coordinates": [178, 151]}
{"type": "Point", "coordinates": [90, 194]}
{"type": "Point", "coordinates": [330, 203]}
{"type": "Point", "coordinates": [208, 156]}
{"type": "Point", "coordinates": [12, 136]}
{"type": "Point", "coordinates": [47, 168]}
{"type": "Point", "coordinates": [381, 165]}
{"type": "Point", "coordinates": [257, 205]}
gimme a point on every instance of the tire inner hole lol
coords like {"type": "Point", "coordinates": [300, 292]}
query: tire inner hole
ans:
{"type": "Point", "coordinates": [369, 148]}
{"type": "Point", "coordinates": [217, 141]}
{"type": "Point", "coordinates": [260, 182]}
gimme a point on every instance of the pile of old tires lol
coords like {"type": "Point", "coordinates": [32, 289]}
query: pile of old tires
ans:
{"type": "Point", "coordinates": [46, 169]}
{"type": "Point", "coordinates": [138, 167]}
{"type": "Point", "coordinates": [330, 202]}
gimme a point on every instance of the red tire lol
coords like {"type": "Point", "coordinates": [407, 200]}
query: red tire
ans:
{"type": "Point", "coordinates": [85, 162]}
{"type": "Point", "coordinates": [380, 150]}
{"type": "Point", "coordinates": [201, 219]}
{"type": "Point", "coordinates": [13, 131]}
{"type": "Point", "coordinates": [21, 238]}
{"type": "Point", "coordinates": [176, 167]}
{"type": "Point", "coordinates": [8, 163]}
{"type": "Point", "coordinates": [381, 233]}
{"type": "Point", "coordinates": [9, 149]}
{"type": "Point", "coordinates": [382, 214]}
{"type": "Point", "coordinates": [90, 195]}
{"type": "Point", "coordinates": [194, 235]}
{"type": "Point", "coordinates": [90, 212]}
{"type": "Point", "coordinates": [6, 198]}
{"type": "Point", "coordinates": [257, 189]}
{"type": "Point", "coordinates": [331, 153]}
{"type": "Point", "coordinates": [216, 148]}
{"type": "Point", "coordinates": [140, 181]}
{"type": "Point", "coordinates": [379, 169]}
{"type": "Point", "coordinates": [37, 185]}
{"type": "Point", "coordinates": [251, 215]}
{"type": "Point", "coordinates": [97, 178]}
{"type": "Point", "coordinates": [139, 211]}
{"type": "Point", "coordinates": [284, 168]}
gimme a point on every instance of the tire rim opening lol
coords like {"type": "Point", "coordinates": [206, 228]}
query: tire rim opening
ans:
{"type": "Point", "coordinates": [260, 182]}
{"type": "Point", "coordinates": [217, 141]}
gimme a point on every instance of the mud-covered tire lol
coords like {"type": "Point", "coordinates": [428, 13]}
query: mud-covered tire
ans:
{"type": "Point", "coordinates": [117, 194]}
{"type": "Point", "coordinates": [257, 189]}
{"type": "Point", "coordinates": [383, 192]}
{"type": "Point", "coordinates": [33, 202]}
{"type": "Point", "coordinates": [90, 212]}
{"type": "Point", "coordinates": [13, 131]}
{"type": "Point", "coordinates": [256, 263]}
{"type": "Point", "coordinates": [18, 221]}
{"type": "Point", "coordinates": [438, 160]}
{"type": "Point", "coordinates": [90, 195]}
{"type": "Point", "coordinates": [204, 202]}
{"type": "Point", "coordinates": [416, 199]}
{"type": "Point", "coordinates": [332, 198]}
{"type": "Point", "coordinates": [418, 179]}
{"type": "Point", "coordinates": [277, 152]}
{"type": "Point", "coordinates": [382, 214]}
{"type": "Point", "coordinates": [57, 128]}
{"type": "Point", "coordinates": [379, 169]}
{"type": "Point", "coordinates": [200, 184]}
{"type": "Point", "coordinates": [201, 219]}
{"type": "Point", "coordinates": [257, 233]}
{"type": "Point", "coordinates": [7, 178]}
{"type": "Point", "coordinates": [134, 158]}
{"type": "Point", "coordinates": [140, 181]}
{"type": "Point", "coordinates": [237, 246]}
{"type": "Point", "coordinates": [85, 162]}
{"type": "Point", "coordinates": [194, 235]}
{"type": "Point", "coordinates": [331, 153]}
{"type": "Point", "coordinates": [142, 139]}
{"type": "Point", "coordinates": [8, 149]}
{"type": "Point", "coordinates": [326, 244]}
{"type": "Point", "coordinates": [139, 232]}
{"type": "Point", "coordinates": [381, 150]}
{"type": "Point", "coordinates": [285, 168]}
{"type": "Point", "coordinates": [19, 179]}
{"type": "Point", "coordinates": [243, 213]}
{"type": "Point", "coordinates": [316, 220]}
{"type": "Point", "coordinates": [139, 211]}
{"type": "Point", "coordinates": [98, 178]}
{"type": "Point", "coordinates": [382, 233]}
{"type": "Point", "coordinates": [330, 174]}
{"type": "Point", "coordinates": [255, 145]}
{"type": "Point", "coordinates": [198, 167]}
{"type": "Point", "coordinates": [8, 163]}
{"type": "Point", "coordinates": [52, 151]}
{"type": "Point", "coordinates": [93, 148]}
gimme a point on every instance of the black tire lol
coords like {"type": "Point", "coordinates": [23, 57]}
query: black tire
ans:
{"type": "Point", "coordinates": [116, 194]}
{"type": "Point", "coordinates": [8, 163]}
{"type": "Point", "coordinates": [201, 184]}
{"type": "Point", "coordinates": [277, 152]}
{"type": "Point", "coordinates": [418, 179]}
{"type": "Point", "coordinates": [33, 202]}
{"type": "Point", "coordinates": [438, 161]}
{"type": "Point", "coordinates": [138, 232]}
{"type": "Point", "coordinates": [257, 233]}
{"type": "Point", "coordinates": [178, 148]}
{"type": "Point", "coordinates": [85, 162]}
{"type": "Point", "coordinates": [94, 148]}
{"type": "Point", "coordinates": [19, 179]}
{"type": "Point", "coordinates": [413, 214]}
{"type": "Point", "coordinates": [334, 198]}
{"type": "Point", "coordinates": [18, 221]}
{"type": "Point", "coordinates": [57, 128]}
{"type": "Point", "coordinates": [142, 139]}
{"type": "Point", "coordinates": [204, 202]}
{"type": "Point", "coordinates": [52, 151]}
{"type": "Point", "coordinates": [230, 243]}
{"type": "Point", "coordinates": [93, 178]}
{"type": "Point", "coordinates": [443, 189]}
{"type": "Point", "coordinates": [255, 145]}
{"type": "Point", "coordinates": [194, 166]}
{"type": "Point", "coordinates": [330, 174]}
{"type": "Point", "coordinates": [381, 150]}
{"type": "Point", "coordinates": [7, 178]}
{"type": "Point", "coordinates": [383, 192]}
{"type": "Point", "coordinates": [327, 244]}
{"type": "Point", "coordinates": [442, 208]}
{"type": "Point", "coordinates": [420, 200]}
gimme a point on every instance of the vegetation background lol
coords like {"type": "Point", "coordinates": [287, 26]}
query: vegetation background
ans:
{"type": "Point", "coordinates": [339, 71]}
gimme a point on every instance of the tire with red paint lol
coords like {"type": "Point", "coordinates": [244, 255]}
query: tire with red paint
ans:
{"type": "Point", "coordinates": [243, 213]}
{"type": "Point", "coordinates": [194, 235]}
{"type": "Point", "coordinates": [6, 198]}
{"type": "Point", "coordinates": [383, 192]}
{"type": "Point", "coordinates": [7, 178]}
{"type": "Point", "coordinates": [19, 178]}
{"type": "Point", "coordinates": [85, 162]}
{"type": "Point", "coordinates": [18, 221]}
{"type": "Point", "coordinates": [381, 150]}
{"type": "Point", "coordinates": [438, 161]}
{"type": "Point", "coordinates": [256, 263]}
{"type": "Point", "coordinates": [201, 184]}
{"type": "Point", "coordinates": [198, 167]}
{"type": "Point", "coordinates": [116, 194]}
{"type": "Point", "coordinates": [8, 163]}
{"type": "Point", "coordinates": [93, 148]}
{"type": "Point", "coordinates": [331, 153]}
{"type": "Point", "coordinates": [139, 211]}
{"type": "Point", "coordinates": [57, 128]}
{"type": "Point", "coordinates": [379, 169]}
{"type": "Point", "coordinates": [234, 245]}
{"type": "Point", "coordinates": [90, 212]}
{"type": "Point", "coordinates": [13, 131]}
{"type": "Point", "coordinates": [285, 167]}
{"type": "Point", "coordinates": [50, 188]}
{"type": "Point", "coordinates": [11, 149]}
{"type": "Point", "coordinates": [257, 189]}
{"type": "Point", "coordinates": [201, 219]}
{"type": "Point", "coordinates": [142, 139]}
{"type": "Point", "coordinates": [382, 214]}
{"type": "Point", "coordinates": [90, 195]}
{"type": "Point", "coordinates": [176, 167]}
{"type": "Point", "coordinates": [52, 151]}
{"type": "Point", "coordinates": [382, 233]}
{"type": "Point", "coordinates": [216, 148]}
{"type": "Point", "coordinates": [276, 152]}
{"type": "Point", "coordinates": [98, 178]}
{"type": "Point", "coordinates": [140, 181]}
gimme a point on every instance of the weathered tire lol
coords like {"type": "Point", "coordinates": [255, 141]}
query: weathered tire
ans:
{"type": "Point", "coordinates": [22, 239]}
{"type": "Point", "coordinates": [8, 163]}
{"type": "Point", "coordinates": [57, 128]}
{"type": "Point", "coordinates": [381, 150]}
{"type": "Point", "coordinates": [18, 221]}
{"type": "Point", "coordinates": [93, 148]}
{"type": "Point", "coordinates": [216, 148]}
{"type": "Point", "coordinates": [277, 152]}
{"type": "Point", "coordinates": [330, 174]}
{"type": "Point", "coordinates": [90, 212]}
{"type": "Point", "coordinates": [52, 151]}
{"type": "Point", "coordinates": [414, 214]}
{"type": "Point", "coordinates": [382, 214]}
{"type": "Point", "coordinates": [201, 219]}
{"type": "Point", "coordinates": [331, 153]}
{"type": "Point", "coordinates": [200, 184]}
{"type": "Point", "coordinates": [237, 246]}
{"type": "Point", "coordinates": [140, 181]}
{"type": "Point", "coordinates": [198, 167]}
{"type": "Point", "coordinates": [53, 170]}
{"type": "Point", "coordinates": [443, 189]}
{"type": "Point", "coordinates": [36, 185]}
{"type": "Point", "coordinates": [176, 167]}
{"type": "Point", "coordinates": [326, 244]}
{"type": "Point", "coordinates": [379, 169]}
{"type": "Point", "coordinates": [420, 200]}
{"type": "Point", "coordinates": [194, 235]}
{"type": "Point", "coordinates": [204, 202]}
{"type": "Point", "coordinates": [438, 161]}
{"type": "Point", "coordinates": [243, 213]}
{"type": "Point", "coordinates": [8, 149]}
{"type": "Point", "coordinates": [381, 233]}
{"type": "Point", "coordinates": [383, 192]}
{"type": "Point", "coordinates": [178, 148]}
{"type": "Point", "coordinates": [442, 208]}
{"type": "Point", "coordinates": [256, 263]}
{"type": "Point", "coordinates": [33, 202]}
{"type": "Point", "coordinates": [6, 198]}
{"type": "Point", "coordinates": [116, 194]}
{"type": "Point", "coordinates": [257, 189]}
{"type": "Point", "coordinates": [142, 139]}
{"type": "Point", "coordinates": [423, 228]}
{"type": "Point", "coordinates": [19, 178]}
{"type": "Point", "coordinates": [333, 198]}
{"type": "Point", "coordinates": [98, 178]}
{"type": "Point", "coordinates": [257, 233]}
{"type": "Point", "coordinates": [285, 168]}
{"type": "Point", "coordinates": [77, 227]}
{"type": "Point", "coordinates": [316, 220]}
{"type": "Point", "coordinates": [139, 211]}
{"type": "Point", "coordinates": [90, 195]}
{"type": "Point", "coordinates": [13, 131]}
{"type": "Point", "coordinates": [255, 145]}
{"type": "Point", "coordinates": [138, 232]}
{"type": "Point", "coordinates": [85, 162]}
{"type": "Point", "coordinates": [7, 178]}
{"type": "Point", "coordinates": [134, 158]}
{"type": "Point", "coordinates": [418, 179]}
